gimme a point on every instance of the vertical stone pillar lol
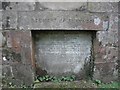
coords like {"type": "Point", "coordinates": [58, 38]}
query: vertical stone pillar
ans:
{"type": "Point", "coordinates": [119, 41]}
{"type": "Point", "coordinates": [106, 43]}
{"type": "Point", "coordinates": [1, 44]}
{"type": "Point", "coordinates": [17, 47]}
{"type": "Point", "coordinates": [17, 54]}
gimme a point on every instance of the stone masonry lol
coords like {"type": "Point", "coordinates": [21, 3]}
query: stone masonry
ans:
{"type": "Point", "coordinates": [17, 19]}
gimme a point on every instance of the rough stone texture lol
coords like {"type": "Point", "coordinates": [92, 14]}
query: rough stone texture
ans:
{"type": "Point", "coordinates": [106, 52]}
{"type": "Point", "coordinates": [17, 56]}
{"type": "Point", "coordinates": [0, 5]}
{"type": "Point", "coordinates": [0, 56]}
{"type": "Point", "coordinates": [106, 72]}
{"type": "Point", "coordinates": [6, 71]}
{"type": "Point", "coordinates": [69, 20]}
{"type": "Point", "coordinates": [119, 41]}
{"type": "Point", "coordinates": [0, 19]}
{"type": "Point", "coordinates": [103, 6]}
{"type": "Point", "coordinates": [63, 53]}
{"type": "Point", "coordinates": [1, 75]}
{"type": "Point", "coordinates": [9, 20]}
{"type": "Point", "coordinates": [18, 6]}
{"type": "Point", "coordinates": [1, 36]}
{"type": "Point", "coordinates": [81, 6]}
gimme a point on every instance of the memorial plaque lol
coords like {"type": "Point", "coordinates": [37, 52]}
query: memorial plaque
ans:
{"type": "Point", "coordinates": [69, 20]}
{"type": "Point", "coordinates": [62, 52]}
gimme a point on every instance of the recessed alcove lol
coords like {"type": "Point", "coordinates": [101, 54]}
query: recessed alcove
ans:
{"type": "Point", "coordinates": [63, 52]}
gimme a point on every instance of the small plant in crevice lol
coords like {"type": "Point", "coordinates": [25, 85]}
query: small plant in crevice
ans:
{"type": "Point", "coordinates": [97, 82]}
{"type": "Point", "coordinates": [48, 78]}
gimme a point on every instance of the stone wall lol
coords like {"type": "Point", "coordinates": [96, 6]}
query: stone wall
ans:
{"type": "Point", "coordinates": [16, 56]}
{"type": "Point", "coordinates": [106, 44]}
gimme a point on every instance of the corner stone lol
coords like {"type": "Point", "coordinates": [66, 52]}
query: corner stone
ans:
{"type": "Point", "coordinates": [103, 7]}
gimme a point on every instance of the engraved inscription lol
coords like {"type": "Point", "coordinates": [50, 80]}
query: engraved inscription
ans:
{"type": "Point", "coordinates": [61, 52]}
{"type": "Point", "coordinates": [70, 20]}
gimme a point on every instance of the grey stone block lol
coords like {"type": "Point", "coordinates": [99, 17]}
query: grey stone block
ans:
{"type": "Point", "coordinates": [0, 20]}
{"type": "Point", "coordinates": [6, 71]}
{"type": "Point", "coordinates": [0, 56]}
{"type": "Point", "coordinates": [106, 72]}
{"type": "Point", "coordinates": [67, 20]}
{"type": "Point", "coordinates": [0, 75]}
{"type": "Point", "coordinates": [119, 7]}
{"type": "Point", "coordinates": [103, 6]}
{"type": "Point", "coordinates": [1, 37]}
{"type": "Point", "coordinates": [18, 6]}
{"type": "Point", "coordinates": [23, 73]}
{"type": "Point", "coordinates": [0, 5]}
{"type": "Point", "coordinates": [81, 6]}
{"type": "Point", "coordinates": [9, 20]}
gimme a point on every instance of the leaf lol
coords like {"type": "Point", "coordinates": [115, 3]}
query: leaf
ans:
{"type": "Point", "coordinates": [41, 79]}
{"type": "Point", "coordinates": [37, 81]}
{"type": "Point", "coordinates": [46, 76]}
{"type": "Point", "coordinates": [98, 82]}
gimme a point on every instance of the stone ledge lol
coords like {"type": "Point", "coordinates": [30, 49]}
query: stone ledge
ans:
{"type": "Point", "coordinates": [66, 20]}
{"type": "Point", "coordinates": [62, 5]}
{"type": "Point", "coordinates": [74, 84]}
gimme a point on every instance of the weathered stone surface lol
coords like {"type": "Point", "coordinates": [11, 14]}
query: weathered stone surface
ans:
{"type": "Point", "coordinates": [113, 24]}
{"type": "Point", "coordinates": [24, 73]}
{"type": "Point", "coordinates": [69, 20]}
{"type": "Point", "coordinates": [119, 41]}
{"type": "Point", "coordinates": [0, 20]}
{"type": "Point", "coordinates": [17, 55]}
{"type": "Point", "coordinates": [10, 56]}
{"type": "Point", "coordinates": [18, 6]}
{"type": "Point", "coordinates": [0, 5]}
{"type": "Point", "coordinates": [26, 47]}
{"type": "Point", "coordinates": [17, 45]}
{"type": "Point", "coordinates": [7, 71]}
{"type": "Point", "coordinates": [63, 5]}
{"type": "Point", "coordinates": [14, 40]}
{"type": "Point", "coordinates": [106, 72]}
{"type": "Point", "coordinates": [9, 19]}
{"type": "Point", "coordinates": [63, 52]}
{"type": "Point", "coordinates": [0, 74]}
{"type": "Point", "coordinates": [1, 36]}
{"type": "Point", "coordinates": [0, 56]}
{"type": "Point", "coordinates": [106, 50]}
{"type": "Point", "coordinates": [103, 6]}
{"type": "Point", "coordinates": [106, 54]}
{"type": "Point", "coordinates": [110, 36]}
{"type": "Point", "coordinates": [119, 7]}
{"type": "Point", "coordinates": [112, 54]}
